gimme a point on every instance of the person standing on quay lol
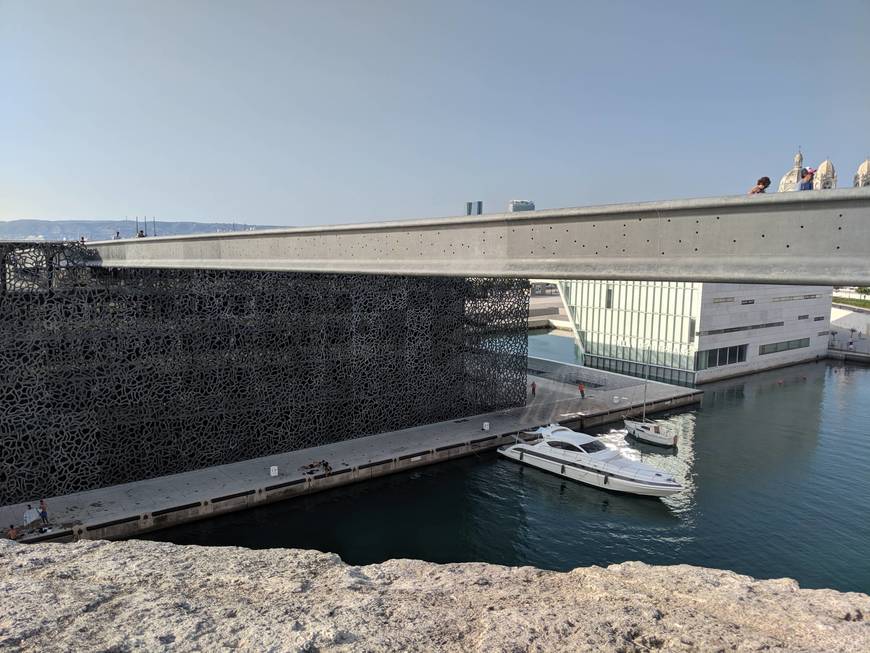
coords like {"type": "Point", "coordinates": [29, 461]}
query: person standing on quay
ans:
{"type": "Point", "coordinates": [534, 389]}
{"type": "Point", "coordinates": [582, 389]}
{"type": "Point", "coordinates": [43, 511]}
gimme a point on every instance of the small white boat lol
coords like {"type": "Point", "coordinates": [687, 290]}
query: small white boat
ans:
{"type": "Point", "coordinates": [583, 458]}
{"type": "Point", "coordinates": [651, 432]}
{"type": "Point", "coordinates": [646, 430]}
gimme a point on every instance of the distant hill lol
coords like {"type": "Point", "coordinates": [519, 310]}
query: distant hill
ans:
{"type": "Point", "coordinates": [105, 229]}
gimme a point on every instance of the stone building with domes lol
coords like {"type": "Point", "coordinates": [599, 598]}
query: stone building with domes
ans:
{"type": "Point", "coordinates": [862, 176]}
{"type": "Point", "coordinates": [825, 176]}
{"type": "Point", "coordinates": [792, 178]}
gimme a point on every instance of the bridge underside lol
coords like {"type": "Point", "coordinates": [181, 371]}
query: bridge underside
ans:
{"type": "Point", "coordinates": [114, 375]}
{"type": "Point", "coordinates": [813, 238]}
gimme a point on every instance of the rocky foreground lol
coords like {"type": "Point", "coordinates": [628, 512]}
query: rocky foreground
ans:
{"type": "Point", "coordinates": [119, 596]}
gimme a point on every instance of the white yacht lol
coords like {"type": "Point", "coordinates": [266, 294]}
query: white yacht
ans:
{"type": "Point", "coordinates": [651, 432]}
{"type": "Point", "coordinates": [584, 458]}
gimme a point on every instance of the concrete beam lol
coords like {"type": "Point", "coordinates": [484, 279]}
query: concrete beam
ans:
{"type": "Point", "coordinates": [811, 237]}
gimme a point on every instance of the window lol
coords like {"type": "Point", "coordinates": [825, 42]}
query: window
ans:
{"type": "Point", "coordinates": [721, 356]}
{"type": "Point", "coordinates": [790, 298]}
{"type": "Point", "coordinates": [732, 355]}
{"type": "Point", "coordinates": [608, 302]}
{"type": "Point", "coordinates": [823, 333]}
{"type": "Point", "coordinates": [747, 301]}
{"type": "Point", "coordinates": [803, 317]}
{"type": "Point", "coordinates": [776, 347]}
{"type": "Point", "coordinates": [691, 329]}
{"type": "Point", "coordinates": [722, 300]}
{"type": "Point", "coordinates": [566, 446]}
{"type": "Point", "coordinates": [751, 327]}
{"type": "Point", "coordinates": [592, 447]}
{"type": "Point", "coordinates": [819, 318]}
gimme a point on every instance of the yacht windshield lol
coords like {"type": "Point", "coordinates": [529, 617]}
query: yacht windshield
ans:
{"type": "Point", "coordinates": [567, 446]}
{"type": "Point", "coordinates": [592, 447]}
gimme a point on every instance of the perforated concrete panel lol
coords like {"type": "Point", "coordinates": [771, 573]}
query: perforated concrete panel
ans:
{"type": "Point", "coordinates": [819, 237]}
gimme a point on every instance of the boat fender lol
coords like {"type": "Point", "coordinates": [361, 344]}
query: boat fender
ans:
{"type": "Point", "coordinates": [606, 477]}
{"type": "Point", "coordinates": [521, 454]}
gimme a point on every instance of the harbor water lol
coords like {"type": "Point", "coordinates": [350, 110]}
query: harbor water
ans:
{"type": "Point", "coordinates": [776, 468]}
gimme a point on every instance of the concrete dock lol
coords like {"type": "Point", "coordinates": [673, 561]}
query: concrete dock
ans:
{"type": "Point", "coordinates": [121, 511]}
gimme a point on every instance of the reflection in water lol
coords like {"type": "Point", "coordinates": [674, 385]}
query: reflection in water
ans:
{"type": "Point", "coordinates": [776, 469]}
{"type": "Point", "coordinates": [676, 462]}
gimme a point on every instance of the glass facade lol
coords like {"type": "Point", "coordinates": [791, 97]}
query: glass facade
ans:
{"type": "Point", "coordinates": [629, 326]}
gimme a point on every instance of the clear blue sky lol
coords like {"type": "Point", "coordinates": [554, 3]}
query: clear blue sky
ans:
{"type": "Point", "coordinates": [321, 111]}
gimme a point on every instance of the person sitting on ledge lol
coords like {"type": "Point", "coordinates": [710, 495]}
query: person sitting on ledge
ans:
{"type": "Point", "coordinates": [12, 533]}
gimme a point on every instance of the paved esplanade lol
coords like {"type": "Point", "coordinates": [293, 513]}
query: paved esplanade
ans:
{"type": "Point", "coordinates": [811, 237]}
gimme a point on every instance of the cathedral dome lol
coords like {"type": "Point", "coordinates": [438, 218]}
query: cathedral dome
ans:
{"type": "Point", "coordinates": [862, 177]}
{"type": "Point", "coordinates": [825, 168]}
{"type": "Point", "coordinates": [825, 177]}
{"type": "Point", "coordinates": [790, 179]}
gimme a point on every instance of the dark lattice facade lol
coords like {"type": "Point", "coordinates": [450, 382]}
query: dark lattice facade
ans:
{"type": "Point", "coordinates": [109, 376]}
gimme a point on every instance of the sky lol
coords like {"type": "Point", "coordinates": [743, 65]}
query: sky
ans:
{"type": "Point", "coordinates": [300, 113]}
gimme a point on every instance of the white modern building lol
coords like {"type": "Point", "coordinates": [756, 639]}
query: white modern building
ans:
{"type": "Point", "coordinates": [696, 332]}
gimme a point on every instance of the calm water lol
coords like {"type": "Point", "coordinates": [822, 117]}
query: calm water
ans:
{"type": "Point", "coordinates": [777, 469]}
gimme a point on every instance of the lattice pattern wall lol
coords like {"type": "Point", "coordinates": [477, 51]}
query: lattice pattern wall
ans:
{"type": "Point", "coordinates": [109, 376]}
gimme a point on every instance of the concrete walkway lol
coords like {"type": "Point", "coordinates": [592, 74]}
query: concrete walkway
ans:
{"type": "Point", "coordinates": [136, 503]}
{"type": "Point", "coordinates": [851, 325]}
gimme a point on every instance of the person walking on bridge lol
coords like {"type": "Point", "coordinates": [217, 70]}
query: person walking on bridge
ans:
{"type": "Point", "coordinates": [582, 388]}
{"type": "Point", "coordinates": [534, 389]}
{"type": "Point", "coordinates": [760, 186]}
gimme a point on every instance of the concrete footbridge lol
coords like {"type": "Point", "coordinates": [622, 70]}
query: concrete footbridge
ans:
{"type": "Point", "coordinates": [819, 237]}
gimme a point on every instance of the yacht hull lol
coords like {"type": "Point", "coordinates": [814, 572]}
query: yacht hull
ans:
{"type": "Point", "coordinates": [587, 475]}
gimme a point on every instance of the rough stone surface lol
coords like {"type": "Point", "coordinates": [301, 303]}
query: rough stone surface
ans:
{"type": "Point", "coordinates": [103, 596]}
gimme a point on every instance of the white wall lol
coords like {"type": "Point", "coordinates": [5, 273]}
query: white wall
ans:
{"type": "Point", "coordinates": [726, 306]}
